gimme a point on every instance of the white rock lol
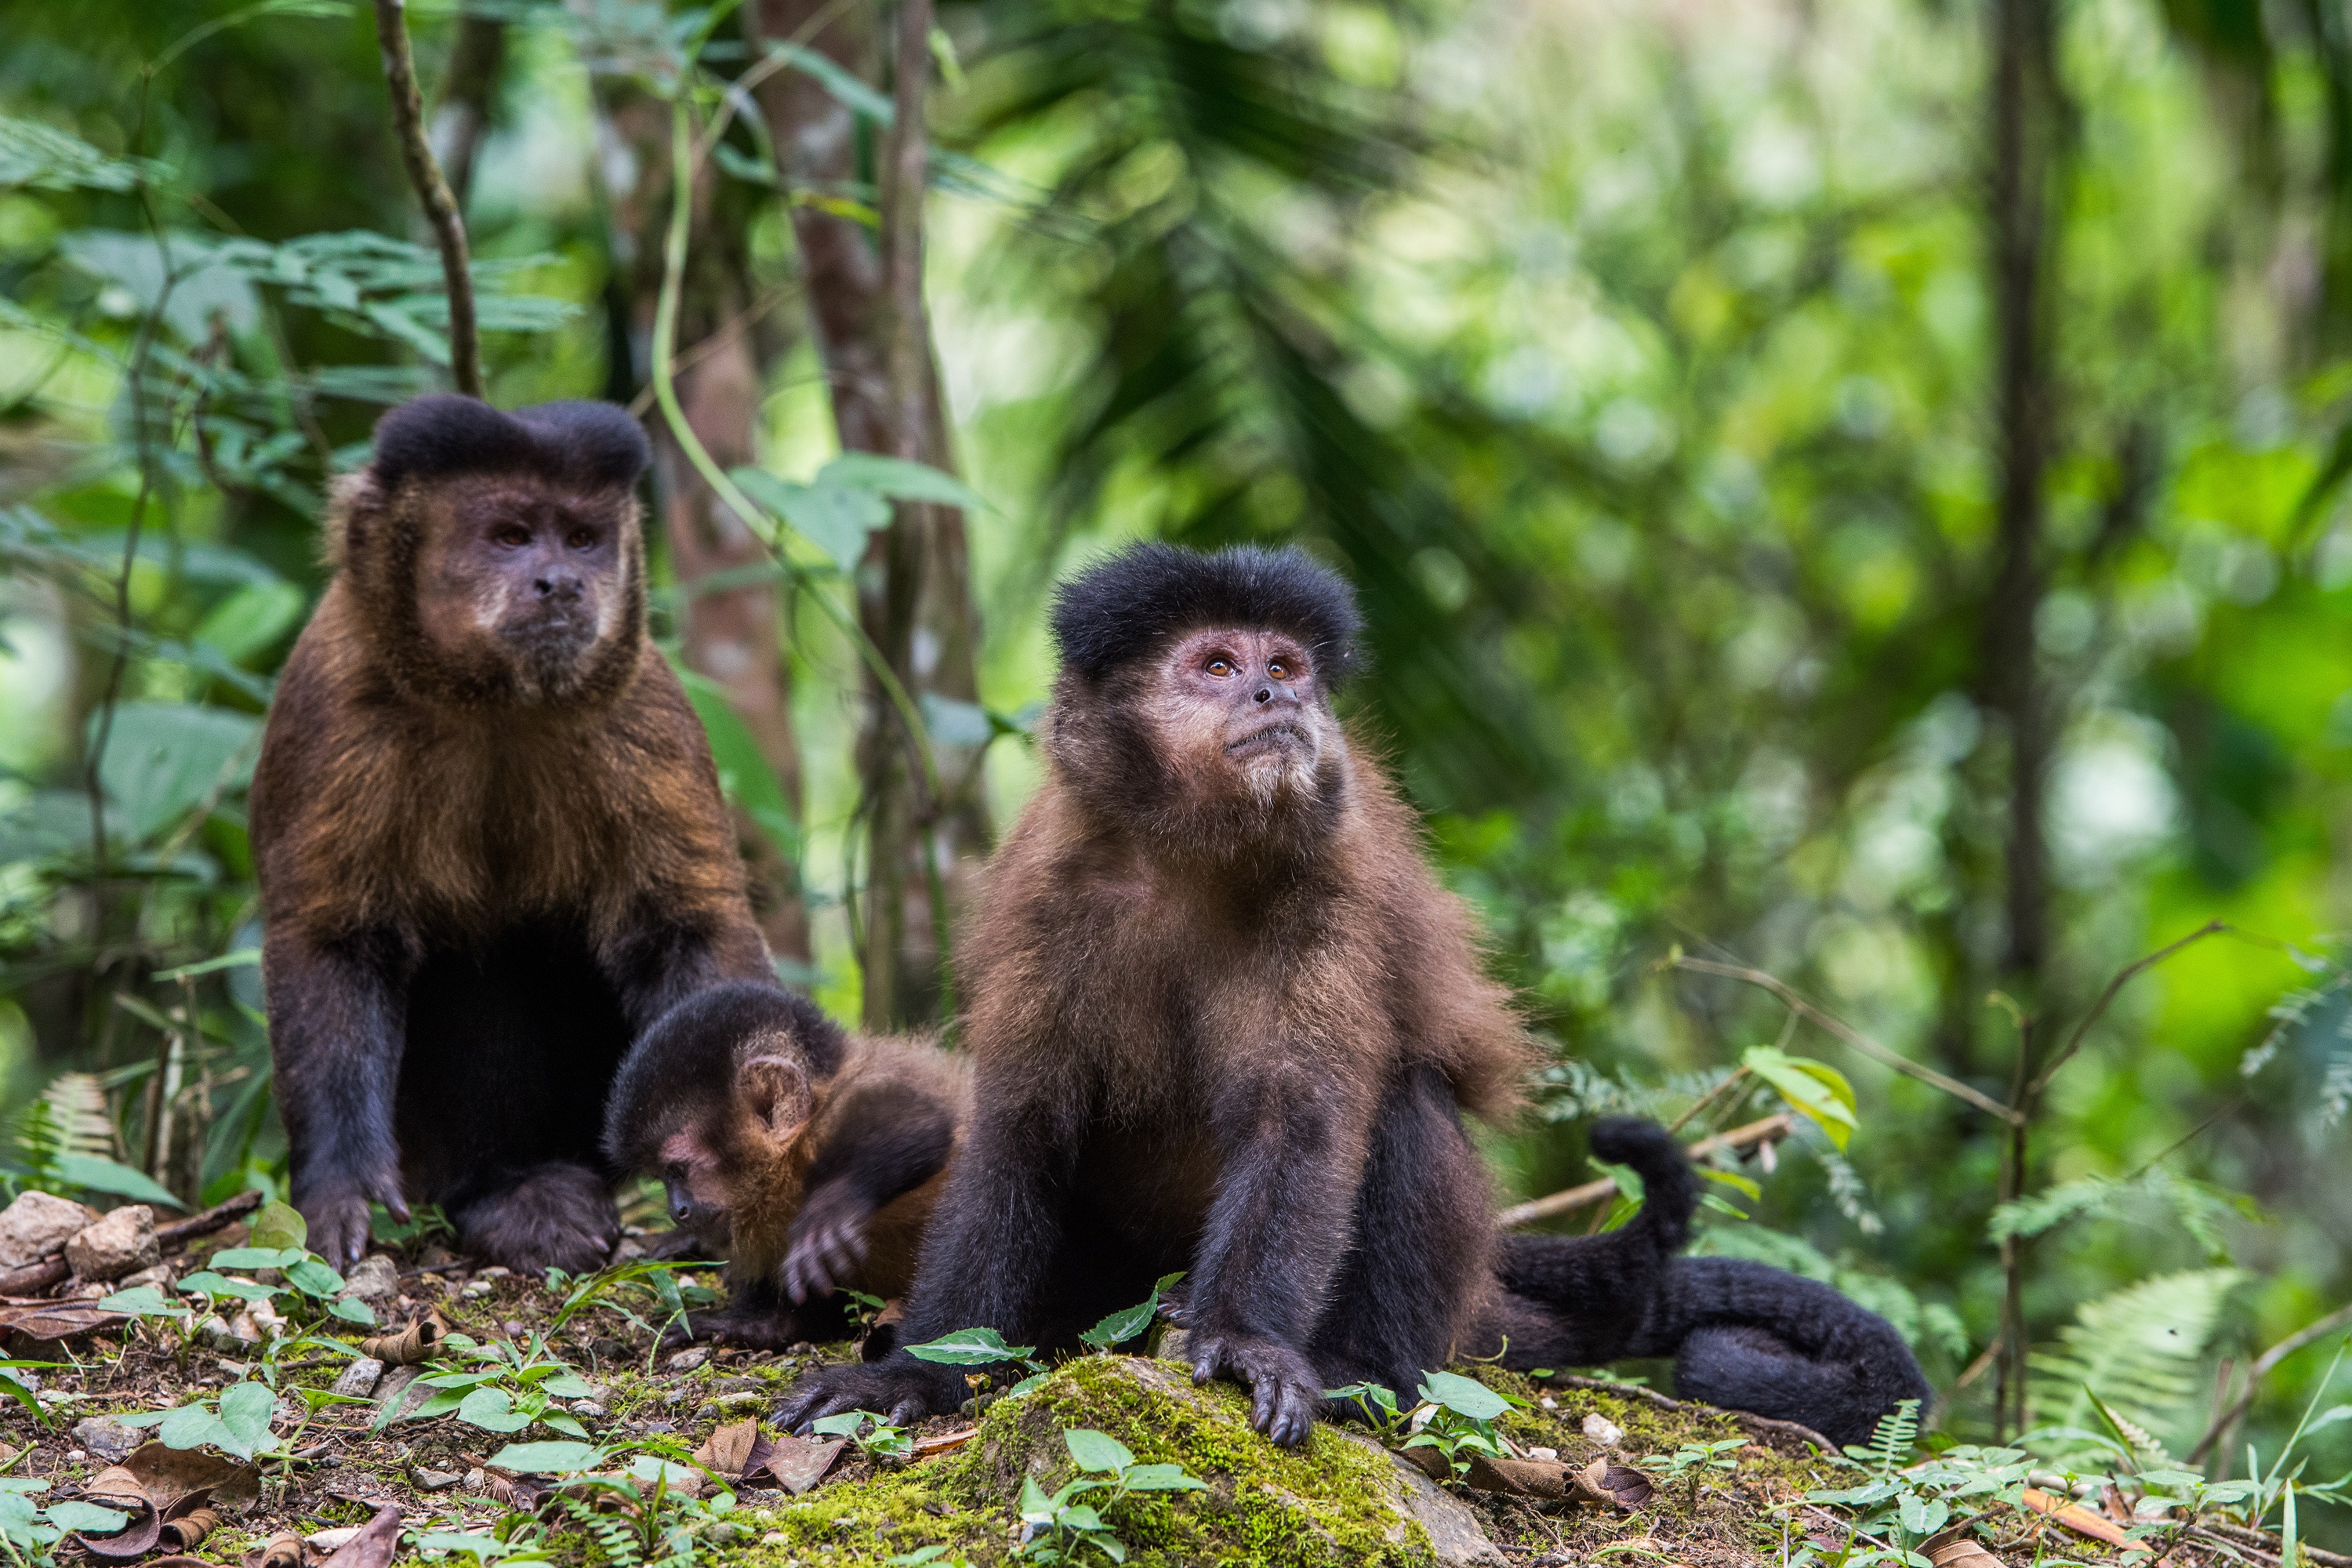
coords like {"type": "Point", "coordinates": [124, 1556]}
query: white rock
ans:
{"type": "Point", "coordinates": [687, 1360]}
{"type": "Point", "coordinates": [1603, 1430]}
{"type": "Point", "coordinates": [36, 1225]}
{"type": "Point", "coordinates": [335, 1539]}
{"type": "Point", "coordinates": [373, 1278]}
{"type": "Point", "coordinates": [121, 1243]}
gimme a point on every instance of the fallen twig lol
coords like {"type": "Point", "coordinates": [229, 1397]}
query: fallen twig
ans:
{"type": "Point", "coordinates": [1771, 1129]}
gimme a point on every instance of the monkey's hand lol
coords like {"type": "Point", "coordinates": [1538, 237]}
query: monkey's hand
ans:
{"type": "Point", "coordinates": [1282, 1382]}
{"type": "Point", "coordinates": [901, 1389]}
{"type": "Point", "coordinates": [828, 1242]}
{"type": "Point", "coordinates": [337, 1216]}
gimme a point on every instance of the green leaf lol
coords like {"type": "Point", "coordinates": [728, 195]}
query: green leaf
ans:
{"type": "Point", "coordinates": [93, 1174]}
{"type": "Point", "coordinates": [162, 759]}
{"type": "Point", "coordinates": [549, 1458]}
{"type": "Point", "coordinates": [250, 621]}
{"type": "Point", "coordinates": [212, 1284]}
{"type": "Point", "coordinates": [1463, 1395]}
{"type": "Point", "coordinates": [192, 1426]}
{"type": "Point", "coordinates": [144, 1302]}
{"type": "Point", "coordinates": [258, 1258]}
{"type": "Point", "coordinates": [834, 519]}
{"type": "Point", "coordinates": [1733, 1180]}
{"type": "Point", "coordinates": [24, 1396]}
{"type": "Point", "coordinates": [1037, 1508]}
{"type": "Point", "coordinates": [33, 153]}
{"type": "Point", "coordinates": [312, 1277]}
{"type": "Point", "coordinates": [279, 1225]}
{"type": "Point", "coordinates": [488, 1548]}
{"type": "Point", "coordinates": [1162, 1479]}
{"type": "Point", "coordinates": [1097, 1452]}
{"type": "Point", "coordinates": [745, 774]}
{"type": "Point", "coordinates": [899, 478]}
{"type": "Point", "coordinates": [492, 1409]}
{"type": "Point", "coordinates": [852, 91]}
{"type": "Point", "coordinates": [245, 1410]}
{"type": "Point", "coordinates": [568, 1384]}
{"type": "Point", "coordinates": [970, 1347]}
{"type": "Point", "coordinates": [86, 1516]}
{"type": "Point", "coordinates": [353, 1311]}
{"type": "Point", "coordinates": [1815, 1089]}
{"type": "Point", "coordinates": [566, 1424]}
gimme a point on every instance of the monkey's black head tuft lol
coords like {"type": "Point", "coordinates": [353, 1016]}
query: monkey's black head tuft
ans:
{"type": "Point", "coordinates": [1127, 607]}
{"type": "Point", "coordinates": [682, 1068]}
{"type": "Point", "coordinates": [595, 446]}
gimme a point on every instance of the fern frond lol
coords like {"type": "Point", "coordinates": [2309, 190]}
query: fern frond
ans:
{"type": "Point", "coordinates": [1892, 1438]}
{"type": "Point", "coordinates": [2140, 1349]}
{"type": "Point", "coordinates": [77, 1103]}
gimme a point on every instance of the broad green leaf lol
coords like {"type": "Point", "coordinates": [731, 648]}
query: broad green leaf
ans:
{"type": "Point", "coordinates": [24, 1396]}
{"type": "Point", "coordinates": [33, 153]}
{"type": "Point", "coordinates": [566, 1424]}
{"type": "Point", "coordinates": [212, 1284]}
{"type": "Point", "coordinates": [954, 723]}
{"type": "Point", "coordinates": [192, 1426]}
{"type": "Point", "coordinates": [549, 1458]}
{"type": "Point", "coordinates": [94, 1174]}
{"type": "Point", "coordinates": [1463, 1395]}
{"type": "Point", "coordinates": [280, 1225]}
{"type": "Point", "coordinates": [489, 1548]}
{"type": "Point", "coordinates": [568, 1385]}
{"type": "Point", "coordinates": [313, 1278]}
{"type": "Point", "coordinates": [1162, 1479]}
{"type": "Point", "coordinates": [163, 759]}
{"type": "Point", "coordinates": [745, 773]}
{"type": "Point", "coordinates": [250, 621]}
{"type": "Point", "coordinates": [899, 478]}
{"type": "Point", "coordinates": [245, 1410]}
{"type": "Point", "coordinates": [352, 1309]}
{"type": "Point", "coordinates": [86, 1516]}
{"type": "Point", "coordinates": [834, 519]}
{"type": "Point", "coordinates": [1037, 1508]}
{"type": "Point", "coordinates": [143, 1300]}
{"type": "Point", "coordinates": [1816, 1089]}
{"type": "Point", "coordinates": [848, 1424]}
{"type": "Point", "coordinates": [492, 1409]}
{"type": "Point", "coordinates": [970, 1347]}
{"type": "Point", "coordinates": [257, 1256]}
{"type": "Point", "coordinates": [1098, 1452]}
{"type": "Point", "coordinates": [1733, 1180]}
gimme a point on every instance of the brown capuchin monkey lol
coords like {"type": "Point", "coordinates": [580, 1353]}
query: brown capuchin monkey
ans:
{"type": "Point", "coordinates": [489, 835]}
{"type": "Point", "coordinates": [1223, 1019]}
{"type": "Point", "coordinates": [812, 1157]}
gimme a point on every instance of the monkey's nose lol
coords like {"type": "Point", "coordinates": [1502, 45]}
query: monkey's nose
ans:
{"type": "Point", "coordinates": [564, 586]}
{"type": "Point", "coordinates": [1265, 695]}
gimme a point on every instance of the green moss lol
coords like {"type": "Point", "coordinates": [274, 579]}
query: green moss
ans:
{"type": "Point", "coordinates": [1327, 1504]}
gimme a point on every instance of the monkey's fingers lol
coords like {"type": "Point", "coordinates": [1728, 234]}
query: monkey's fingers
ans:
{"type": "Point", "coordinates": [819, 1262]}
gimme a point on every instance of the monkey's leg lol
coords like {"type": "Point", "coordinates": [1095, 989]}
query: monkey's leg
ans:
{"type": "Point", "coordinates": [1420, 1251]}
{"type": "Point", "coordinates": [558, 1215]}
{"type": "Point", "coordinates": [336, 1011]}
{"type": "Point", "coordinates": [997, 1231]}
{"type": "Point", "coordinates": [1274, 1237]}
{"type": "Point", "coordinates": [889, 1138]}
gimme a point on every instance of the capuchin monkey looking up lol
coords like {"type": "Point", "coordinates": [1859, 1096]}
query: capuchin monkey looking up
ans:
{"type": "Point", "coordinates": [1222, 1019]}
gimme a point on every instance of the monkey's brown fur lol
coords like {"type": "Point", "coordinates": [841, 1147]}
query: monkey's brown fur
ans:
{"type": "Point", "coordinates": [813, 1157]}
{"type": "Point", "coordinates": [489, 835]}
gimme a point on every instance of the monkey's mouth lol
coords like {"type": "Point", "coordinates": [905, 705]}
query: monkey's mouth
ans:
{"type": "Point", "coordinates": [1277, 739]}
{"type": "Point", "coordinates": [553, 636]}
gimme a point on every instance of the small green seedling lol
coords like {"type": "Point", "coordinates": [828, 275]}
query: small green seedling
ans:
{"type": "Point", "coordinates": [885, 1445]}
{"type": "Point", "coordinates": [1064, 1526]}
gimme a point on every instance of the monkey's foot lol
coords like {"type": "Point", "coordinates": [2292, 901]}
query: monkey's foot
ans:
{"type": "Point", "coordinates": [750, 1328]}
{"type": "Point", "coordinates": [336, 1215]}
{"type": "Point", "coordinates": [901, 1390]}
{"type": "Point", "coordinates": [1283, 1384]}
{"type": "Point", "coordinates": [558, 1215]}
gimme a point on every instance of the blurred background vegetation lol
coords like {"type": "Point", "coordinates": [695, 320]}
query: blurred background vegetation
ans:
{"type": "Point", "coordinates": [1844, 489]}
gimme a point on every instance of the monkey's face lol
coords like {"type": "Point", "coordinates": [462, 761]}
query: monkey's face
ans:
{"type": "Point", "coordinates": [1241, 712]}
{"type": "Point", "coordinates": [694, 1176]}
{"type": "Point", "coordinates": [526, 578]}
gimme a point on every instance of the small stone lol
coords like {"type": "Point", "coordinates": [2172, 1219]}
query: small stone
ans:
{"type": "Point", "coordinates": [495, 1271]}
{"type": "Point", "coordinates": [1548, 1402]}
{"type": "Point", "coordinates": [333, 1540]}
{"type": "Point", "coordinates": [513, 1327]}
{"type": "Point", "coordinates": [107, 1441]}
{"type": "Point", "coordinates": [1547, 1456]}
{"type": "Point", "coordinates": [159, 1277]}
{"type": "Point", "coordinates": [688, 1359]}
{"type": "Point", "coordinates": [436, 1481]}
{"type": "Point", "coordinates": [373, 1280]}
{"type": "Point", "coordinates": [121, 1243]}
{"type": "Point", "coordinates": [1603, 1430]}
{"type": "Point", "coordinates": [36, 1225]}
{"type": "Point", "coordinates": [774, 1538]}
{"type": "Point", "coordinates": [477, 1479]}
{"type": "Point", "coordinates": [435, 1255]}
{"type": "Point", "coordinates": [359, 1379]}
{"type": "Point", "coordinates": [216, 1332]}
{"type": "Point", "coordinates": [588, 1407]}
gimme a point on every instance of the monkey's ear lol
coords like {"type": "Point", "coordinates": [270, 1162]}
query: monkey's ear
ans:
{"type": "Point", "coordinates": [776, 1090]}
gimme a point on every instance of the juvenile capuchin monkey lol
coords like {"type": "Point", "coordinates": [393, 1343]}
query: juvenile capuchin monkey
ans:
{"type": "Point", "coordinates": [489, 835]}
{"type": "Point", "coordinates": [812, 1157]}
{"type": "Point", "coordinates": [1223, 1019]}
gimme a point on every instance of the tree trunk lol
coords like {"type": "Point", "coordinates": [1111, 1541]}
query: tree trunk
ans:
{"type": "Point", "coordinates": [2025, 134]}
{"type": "Point", "coordinates": [731, 634]}
{"type": "Point", "coordinates": [913, 586]}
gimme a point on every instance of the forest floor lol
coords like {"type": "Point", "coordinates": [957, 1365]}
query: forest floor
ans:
{"type": "Point", "coordinates": [1691, 1486]}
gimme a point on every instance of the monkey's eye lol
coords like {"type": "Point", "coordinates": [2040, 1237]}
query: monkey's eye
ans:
{"type": "Point", "coordinates": [581, 539]}
{"type": "Point", "coordinates": [1279, 670]}
{"type": "Point", "coordinates": [513, 535]}
{"type": "Point", "coordinates": [1220, 668]}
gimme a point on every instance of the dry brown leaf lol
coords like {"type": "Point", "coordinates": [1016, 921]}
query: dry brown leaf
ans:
{"type": "Point", "coordinates": [1517, 1478]}
{"type": "Point", "coordinates": [2079, 1520]}
{"type": "Point", "coordinates": [1621, 1485]}
{"type": "Point", "coordinates": [283, 1550]}
{"type": "Point", "coordinates": [186, 1532]}
{"type": "Point", "coordinates": [945, 1442]}
{"type": "Point", "coordinates": [118, 1488]}
{"type": "Point", "coordinates": [798, 1464]}
{"type": "Point", "coordinates": [728, 1451]}
{"type": "Point", "coordinates": [1958, 1548]}
{"type": "Point", "coordinates": [178, 1562]}
{"type": "Point", "coordinates": [408, 1347]}
{"type": "Point", "coordinates": [173, 1476]}
{"type": "Point", "coordinates": [375, 1546]}
{"type": "Point", "coordinates": [53, 1320]}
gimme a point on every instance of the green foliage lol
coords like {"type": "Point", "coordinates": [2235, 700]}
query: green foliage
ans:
{"type": "Point", "coordinates": [1069, 1526]}
{"type": "Point", "coordinates": [33, 1529]}
{"type": "Point", "coordinates": [2138, 1349]}
{"type": "Point", "coordinates": [873, 1436]}
{"type": "Point", "coordinates": [1128, 1322]}
{"type": "Point", "coordinates": [497, 1386]}
{"type": "Point", "coordinates": [238, 1422]}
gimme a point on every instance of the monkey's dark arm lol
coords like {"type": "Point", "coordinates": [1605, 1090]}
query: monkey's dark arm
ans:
{"type": "Point", "coordinates": [669, 946]}
{"type": "Point", "coordinates": [998, 1225]}
{"type": "Point", "coordinates": [1280, 1224]}
{"type": "Point", "coordinates": [336, 1024]}
{"type": "Point", "coordinates": [887, 1140]}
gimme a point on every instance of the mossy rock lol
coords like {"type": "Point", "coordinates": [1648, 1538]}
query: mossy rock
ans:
{"type": "Point", "coordinates": [1336, 1501]}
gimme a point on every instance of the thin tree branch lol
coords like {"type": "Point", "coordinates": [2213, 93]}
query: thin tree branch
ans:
{"type": "Point", "coordinates": [433, 192]}
{"type": "Point", "coordinates": [1771, 1129]}
{"type": "Point", "coordinates": [2124, 976]}
{"type": "Point", "coordinates": [2262, 1369]}
{"type": "Point", "coordinates": [1796, 1004]}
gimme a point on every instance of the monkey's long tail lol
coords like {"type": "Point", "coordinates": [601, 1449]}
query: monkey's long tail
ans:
{"type": "Point", "coordinates": [1593, 1297]}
